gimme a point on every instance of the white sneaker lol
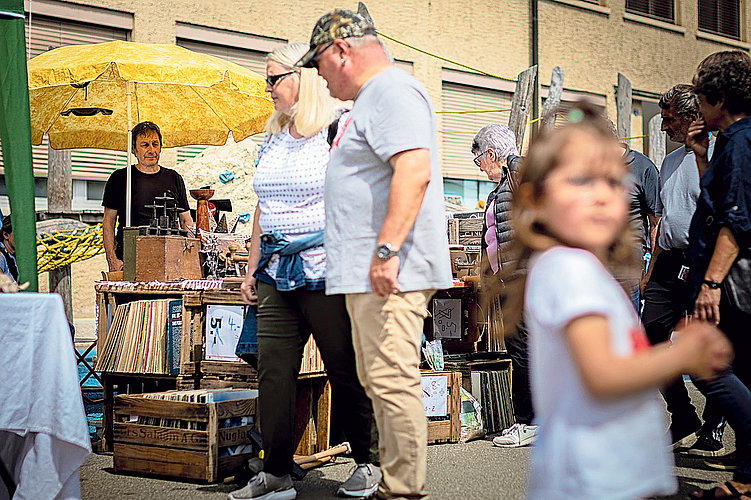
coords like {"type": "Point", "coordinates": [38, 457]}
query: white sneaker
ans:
{"type": "Point", "coordinates": [515, 436]}
{"type": "Point", "coordinates": [264, 486]}
{"type": "Point", "coordinates": [363, 482]}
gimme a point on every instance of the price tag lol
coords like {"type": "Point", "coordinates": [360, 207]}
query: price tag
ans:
{"type": "Point", "coordinates": [223, 327]}
{"type": "Point", "coordinates": [434, 395]}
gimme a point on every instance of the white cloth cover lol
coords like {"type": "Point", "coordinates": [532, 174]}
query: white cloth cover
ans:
{"type": "Point", "coordinates": [44, 436]}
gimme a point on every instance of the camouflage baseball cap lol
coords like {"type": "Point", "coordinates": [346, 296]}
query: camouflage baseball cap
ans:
{"type": "Point", "coordinates": [337, 24]}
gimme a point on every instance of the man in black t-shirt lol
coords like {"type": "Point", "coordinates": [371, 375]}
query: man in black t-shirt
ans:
{"type": "Point", "coordinates": [149, 181]}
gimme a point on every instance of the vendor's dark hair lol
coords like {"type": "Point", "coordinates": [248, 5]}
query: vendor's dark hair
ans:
{"type": "Point", "coordinates": [143, 128]}
{"type": "Point", "coordinates": [727, 74]}
{"type": "Point", "coordinates": [6, 227]}
{"type": "Point", "coordinates": [682, 99]}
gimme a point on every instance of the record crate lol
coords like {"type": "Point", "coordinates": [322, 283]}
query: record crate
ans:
{"type": "Point", "coordinates": [188, 440]}
{"type": "Point", "coordinates": [444, 428]}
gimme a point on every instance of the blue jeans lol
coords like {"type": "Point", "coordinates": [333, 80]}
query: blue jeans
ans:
{"type": "Point", "coordinates": [734, 400]}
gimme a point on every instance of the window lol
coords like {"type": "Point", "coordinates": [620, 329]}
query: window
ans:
{"type": "Point", "coordinates": [462, 92]}
{"type": "Point", "coordinates": [467, 192]}
{"type": "Point", "coordinates": [720, 17]}
{"type": "Point", "coordinates": [662, 10]}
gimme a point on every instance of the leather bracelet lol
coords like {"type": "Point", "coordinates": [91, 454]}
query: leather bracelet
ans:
{"type": "Point", "coordinates": [714, 285]}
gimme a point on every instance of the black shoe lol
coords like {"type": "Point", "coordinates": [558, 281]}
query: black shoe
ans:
{"type": "Point", "coordinates": [725, 462]}
{"type": "Point", "coordinates": [682, 438]}
{"type": "Point", "coordinates": [707, 446]}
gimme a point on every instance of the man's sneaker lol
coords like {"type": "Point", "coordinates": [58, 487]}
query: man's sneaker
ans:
{"type": "Point", "coordinates": [515, 436]}
{"type": "Point", "coordinates": [363, 482]}
{"type": "Point", "coordinates": [265, 486]}
{"type": "Point", "coordinates": [707, 446]}
{"type": "Point", "coordinates": [725, 462]}
{"type": "Point", "coordinates": [682, 438]}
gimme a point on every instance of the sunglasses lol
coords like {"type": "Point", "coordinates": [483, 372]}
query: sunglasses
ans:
{"type": "Point", "coordinates": [313, 63]}
{"type": "Point", "coordinates": [272, 80]}
{"type": "Point", "coordinates": [477, 158]}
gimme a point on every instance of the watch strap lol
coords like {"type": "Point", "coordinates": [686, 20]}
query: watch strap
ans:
{"type": "Point", "coordinates": [714, 285]}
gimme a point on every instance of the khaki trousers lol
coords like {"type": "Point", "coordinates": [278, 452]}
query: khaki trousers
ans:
{"type": "Point", "coordinates": [386, 333]}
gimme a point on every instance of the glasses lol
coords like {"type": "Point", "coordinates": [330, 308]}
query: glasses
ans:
{"type": "Point", "coordinates": [272, 80]}
{"type": "Point", "coordinates": [477, 158]}
{"type": "Point", "coordinates": [313, 63]}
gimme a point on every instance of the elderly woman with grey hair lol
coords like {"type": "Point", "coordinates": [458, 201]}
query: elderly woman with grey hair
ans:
{"type": "Point", "coordinates": [496, 154]}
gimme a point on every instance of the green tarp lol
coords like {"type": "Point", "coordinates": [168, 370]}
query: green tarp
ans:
{"type": "Point", "coordinates": [15, 135]}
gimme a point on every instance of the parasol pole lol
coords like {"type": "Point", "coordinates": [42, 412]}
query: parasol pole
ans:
{"type": "Point", "coordinates": [129, 173]}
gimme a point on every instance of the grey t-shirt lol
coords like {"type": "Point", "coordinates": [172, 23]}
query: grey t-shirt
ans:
{"type": "Point", "coordinates": [679, 190]}
{"type": "Point", "coordinates": [392, 113]}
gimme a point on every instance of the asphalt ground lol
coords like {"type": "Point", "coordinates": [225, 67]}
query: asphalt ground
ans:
{"type": "Point", "coordinates": [469, 471]}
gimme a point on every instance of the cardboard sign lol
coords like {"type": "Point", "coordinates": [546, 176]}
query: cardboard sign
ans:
{"type": "Point", "coordinates": [434, 395]}
{"type": "Point", "coordinates": [447, 320]}
{"type": "Point", "coordinates": [223, 327]}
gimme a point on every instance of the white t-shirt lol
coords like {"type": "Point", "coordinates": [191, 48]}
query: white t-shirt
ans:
{"type": "Point", "coordinates": [588, 448]}
{"type": "Point", "coordinates": [289, 183]}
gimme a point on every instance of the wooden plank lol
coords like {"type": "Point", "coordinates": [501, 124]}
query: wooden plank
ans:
{"type": "Point", "coordinates": [304, 430]}
{"type": "Point", "coordinates": [323, 416]}
{"type": "Point", "coordinates": [101, 320]}
{"type": "Point", "coordinates": [167, 437]}
{"type": "Point", "coordinates": [229, 465]}
{"type": "Point", "coordinates": [550, 108]}
{"type": "Point", "coordinates": [439, 431]}
{"type": "Point", "coordinates": [215, 383]}
{"type": "Point", "coordinates": [179, 410]}
{"type": "Point", "coordinates": [212, 467]}
{"type": "Point", "coordinates": [161, 461]}
{"type": "Point", "coordinates": [525, 85]}
{"type": "Point", "coordinates": [235, 408]}
{"type": "Point", "coordinates": [455, 405]}
{"type": "Point", "coordinates": [623, 104]}
{"type": "Point", "coordinates": [656, 141]}
{"type": "Point", "coordinates": [233, 436]}
{"type": "Point", "coordinates": [184, 338]}
{"type": "Point", "coordinates": [192, 299]}
{"type": "Point", "coordinates": [228, 368]}
{"type": "Point", "coordinates": [232, 297]}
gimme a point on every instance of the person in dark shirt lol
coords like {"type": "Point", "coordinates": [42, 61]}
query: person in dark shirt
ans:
{"type": "Point", "coordinates": [149, 181]}
{"type": "Point", "coordinates": [720, 235]}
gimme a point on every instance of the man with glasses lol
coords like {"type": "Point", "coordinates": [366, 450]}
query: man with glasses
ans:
{"type": "Point", "coordinates": [385, 232]}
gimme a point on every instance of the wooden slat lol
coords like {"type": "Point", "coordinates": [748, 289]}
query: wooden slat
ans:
{"type": "Point", "coordinates": [233, 297]}
{"type": "Point", "coordinates": [186, 439]}
{"type": "Point", "coordinates": [179, 410]}
{"type": "Point", "coordinates": [230, 464]}
{"type": "Point", "coordinates": [228, 368]}
{"type": "Point", "coordinates": [192, 299]}
{"type": "Point", "coordinates": [212, 466]}
{"type": "Point", "coordinates": [233, 436]}
{"type": "Point", "coordinates": [236, 408]}
{"type": "Point", "coordinates": [162, 461]}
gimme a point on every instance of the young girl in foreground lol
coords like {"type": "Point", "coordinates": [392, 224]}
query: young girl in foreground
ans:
{"type": "Point", "coordinates": [594, 376]}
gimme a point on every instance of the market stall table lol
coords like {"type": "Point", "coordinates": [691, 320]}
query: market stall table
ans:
{"type": "Point", "coordinates": [44, 436]}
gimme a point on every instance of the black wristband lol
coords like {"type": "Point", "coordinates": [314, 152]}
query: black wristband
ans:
{"type": "Point", "coordinates": [714, 285]}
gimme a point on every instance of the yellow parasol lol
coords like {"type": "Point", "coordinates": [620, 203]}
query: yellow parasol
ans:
{"type": "Point", "coordinates": [90, 96]}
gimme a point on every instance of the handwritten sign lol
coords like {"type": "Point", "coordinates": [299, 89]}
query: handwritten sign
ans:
{"type": "Point", "coordinates": [223, 327]}
{"type": "Point", "coordinates": [447, 321]}
{"type": "Point", "coordinates": [434, 395]}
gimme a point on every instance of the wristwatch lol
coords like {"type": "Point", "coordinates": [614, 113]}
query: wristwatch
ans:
{"type": "Point", "coordinates": [714, 285]}
{"type": "Point", "coordinates": [385, 251]}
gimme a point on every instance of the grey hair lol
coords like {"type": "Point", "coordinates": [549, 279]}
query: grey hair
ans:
{"type": "Point", "coordinates": [682, 99]}
{"type": "Point", "coordinates": [497, 138]}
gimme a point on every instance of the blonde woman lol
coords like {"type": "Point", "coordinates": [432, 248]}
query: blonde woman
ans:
{"type": "Point", "coordinates": [289, 259]}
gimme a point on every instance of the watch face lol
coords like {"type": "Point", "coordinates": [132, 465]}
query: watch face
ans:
{"type": "Point", "coordinates": [383, 253]}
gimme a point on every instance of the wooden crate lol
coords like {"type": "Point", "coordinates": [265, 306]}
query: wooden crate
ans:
{"type": "Point", "coordinates": [165, 258]}
{"type": "Point", "coordinates": [447, 431]}
{"type": "Point", "coordinates": [177, 452]}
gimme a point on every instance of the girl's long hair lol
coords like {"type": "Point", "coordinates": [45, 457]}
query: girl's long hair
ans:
{"type": "Point", "coordinates": [530, 235]}
{"type": "Point", "coordinates": [315, 108]}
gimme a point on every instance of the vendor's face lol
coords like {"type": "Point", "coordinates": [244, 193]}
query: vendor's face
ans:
{"type": "Point", "coordinates": [148, 148]}
{"type": "Point", "coordinates": [285, 91]}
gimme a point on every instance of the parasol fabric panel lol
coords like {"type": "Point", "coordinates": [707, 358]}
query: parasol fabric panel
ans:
{"type": "Point", "coordinates": [16, 138]}
{"type": "Point", "coordinates": [194, 98]}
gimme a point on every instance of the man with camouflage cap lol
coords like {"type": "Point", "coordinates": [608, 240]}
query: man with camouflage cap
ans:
{"type": "Point", "coordinates": [385, 232]}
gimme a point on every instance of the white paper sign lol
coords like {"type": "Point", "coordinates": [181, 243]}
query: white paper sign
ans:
{"type": "Point", "coordinates": [223, 327]}
{"type": "Point", "coordinates": [434, 395]}
{"type": "Point", "coordinates": [447, 321]}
